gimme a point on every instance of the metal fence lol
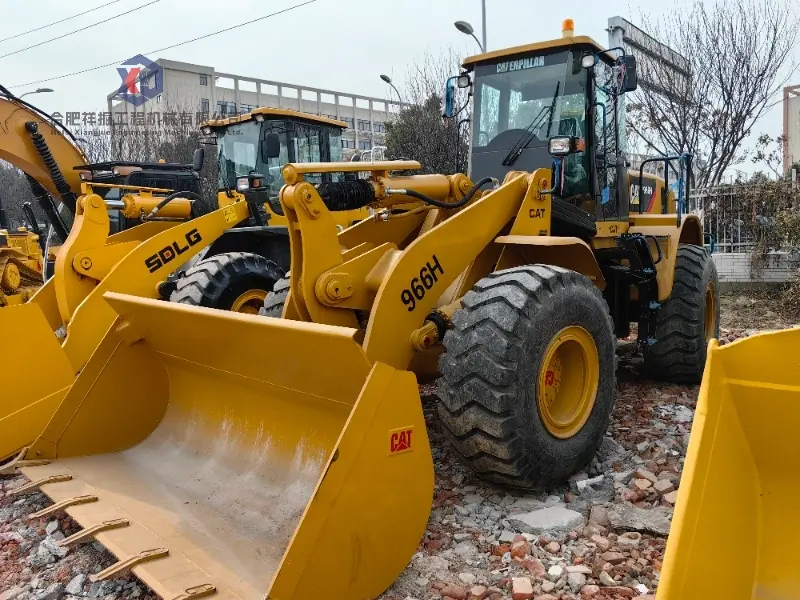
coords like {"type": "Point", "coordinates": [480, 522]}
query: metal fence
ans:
{"type": "Point", "coordinates": [736, 216]}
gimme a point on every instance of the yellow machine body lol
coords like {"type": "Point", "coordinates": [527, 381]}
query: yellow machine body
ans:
{"type": "Point", "coordinates": [737, 498]}
{"type": "Point", "coordinates": [236, 472]}
{"type": "Point", "coordinates": [21, 266]}
{"type": "Point", "coordinates": [90, 263]}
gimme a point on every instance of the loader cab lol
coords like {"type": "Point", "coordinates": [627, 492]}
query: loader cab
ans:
{"type": "Point", "coordinates": [554, 105]}
{"type": "Point", "coordinates": [265, 140]}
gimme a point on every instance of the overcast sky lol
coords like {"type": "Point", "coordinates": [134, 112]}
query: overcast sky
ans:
{"type": "Point", "coordinates": [336, 44]}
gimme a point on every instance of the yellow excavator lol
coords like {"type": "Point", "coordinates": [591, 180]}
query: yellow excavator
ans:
{"type": "Point", "coordinates": [279, 466]}
{"type": "Point", "coordinates": [21, 259]}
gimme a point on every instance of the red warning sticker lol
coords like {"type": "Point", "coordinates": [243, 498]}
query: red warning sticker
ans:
{"type": "Point", "coordinates": [401, 440]}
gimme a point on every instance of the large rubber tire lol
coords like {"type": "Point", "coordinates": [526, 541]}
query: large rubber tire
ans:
{"type": "Point", "coordinates": [679, 352]}
{"type": "Point", "coordinates": [218, 281]}
{"type": "Point", "coordinates": [273, 303]}
{"type": "Point", "coordinates": [490, 375]}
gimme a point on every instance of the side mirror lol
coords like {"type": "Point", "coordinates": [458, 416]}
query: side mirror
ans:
{"type": "Point", "coordinates": [270, 146]}
{"type": "Point", "coordinates": [631, 77]}
{"type": "Point", "coordinates": [197, 159]}
{"type": "Point", "coordinates": [449, 99]}
{"type": "Point", "coordinates": [564, 145]}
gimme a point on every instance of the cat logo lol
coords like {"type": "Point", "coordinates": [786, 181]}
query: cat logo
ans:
{"type": "Point", "coordinates": [537, 213]}
{"type": "Point", "coordinates": [520, 64]}
{"type": "Point", "coordinates": [400, 440]}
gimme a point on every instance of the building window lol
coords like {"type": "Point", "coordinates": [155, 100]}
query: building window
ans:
{"type": "Point", "coordinates": [203, 79]}
{"type": "Point", "coordinates": [351, 144]}
{"type": "Point", "coordinates": [364, 145]}
{"type": "Point", "coordinates": [379, 127]}
{"type": "Point", "coordinates": [363, 125]}
{"type": "Point", "coordinates": [350, 122]}
{"type": "Point", "coordinates": [226, 109]}
{"type": "Point", "coordinates": [204, 105]}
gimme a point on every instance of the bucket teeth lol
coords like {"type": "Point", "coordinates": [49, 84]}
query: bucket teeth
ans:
{"type": "Point", "coordinates": [129, 563]}
{"type": "Point", "coordinates": [10, 468]}
{"type": "Point", "coordinates": [63, 504]}
{"type": "Point", "coordinates": [85, 534]}
{"type": "Point", "coordinates": [35, 485]}
{"type": "Point", "coordinates": [198, 591]}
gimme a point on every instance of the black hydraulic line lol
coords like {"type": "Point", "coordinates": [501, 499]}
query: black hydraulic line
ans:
{"type": "Point", "coordinates": [48, 206]}
{"type": "Point", "coordinates": [439, 203]}
{"type": "Point", "coordinates": [67, 196]}
{"type": "Point", "coordinates": [185, 194]}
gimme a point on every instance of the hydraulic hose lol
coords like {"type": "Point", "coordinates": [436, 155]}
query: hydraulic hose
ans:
{"type": "Point", "coordinates": [67, 197]}
{"type": "Point", "coordinates": [439, 203]}
{"type": "Point", "coordinates": [46, 203]}
{"type": "Point", "coordinates": [170, 198]}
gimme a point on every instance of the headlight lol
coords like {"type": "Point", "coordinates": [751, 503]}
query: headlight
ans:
{"type": "Point", "coordinates": [207, 130]}
{"type": "Point", "coordinates": [242, 184]}
{"type": "Point", "coordinates": [560, 146]}
{"type": "Point", "coordinates": [588, 61]}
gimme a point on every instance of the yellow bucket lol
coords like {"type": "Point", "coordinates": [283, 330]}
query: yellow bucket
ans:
{"type": "Point", "coordinates": [241, 456]}
{"type": "Point", "coordinates": [735, 526]}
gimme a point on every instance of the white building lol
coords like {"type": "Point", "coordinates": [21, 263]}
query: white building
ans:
{"type": "Point", "coordinates": [200, 92]}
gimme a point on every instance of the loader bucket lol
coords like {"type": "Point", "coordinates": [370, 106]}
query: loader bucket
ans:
{"type": "Point", "coordinates": [246, 457]}
{"type": "Point", "coordinates": [736, 519]}
{"type": "Point", "coordinates": [36, 376]}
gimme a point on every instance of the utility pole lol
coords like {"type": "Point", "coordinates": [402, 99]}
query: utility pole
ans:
{"type": "Point", "coordinates": [483, 28]}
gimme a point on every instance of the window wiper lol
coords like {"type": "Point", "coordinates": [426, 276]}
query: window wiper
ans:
{"type": "Point", "coordinates": [527, 137]}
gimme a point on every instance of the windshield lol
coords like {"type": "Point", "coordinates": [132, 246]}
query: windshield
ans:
{"type": "Point", "coordinates": [519, 105]}
{"type": "Point", "coordinates": [238, 150]}
{"type": "Point", "coordinates": [538, 94]}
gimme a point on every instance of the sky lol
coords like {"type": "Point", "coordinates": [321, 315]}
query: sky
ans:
{"type": "Point", "coordinates": [342, 45]}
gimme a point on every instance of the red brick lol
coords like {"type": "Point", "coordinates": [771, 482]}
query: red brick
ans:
{"type": "Point", "coordinates": [520, 549]}
{"type": "Point", "coordinates": [521, 588]}
{"type": "Point", "coordinates": [535, 567]}
{"type": "Point", "coordinates": [457, 592]}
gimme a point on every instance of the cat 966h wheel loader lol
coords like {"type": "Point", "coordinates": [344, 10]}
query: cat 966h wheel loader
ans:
{"type": "Point", "coordinates": [232, 470]}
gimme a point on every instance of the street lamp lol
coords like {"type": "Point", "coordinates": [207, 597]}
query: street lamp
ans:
{"type": "Point", "coordinates": [467, 29]}
{"type": "Point", "coordinates": [388, 80]}
{"type": "Point", "coordinates": [37, 91]}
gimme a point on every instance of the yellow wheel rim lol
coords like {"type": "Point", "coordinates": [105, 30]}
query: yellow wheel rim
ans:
{"type": "Point", "coordinates": [11, 278]}
{"type": "Point", "coordinates": [567, 382]}
{"type": "Point", "coordinates": [250, 302]}
{"type": "Point", "coordinates": [710, 318]}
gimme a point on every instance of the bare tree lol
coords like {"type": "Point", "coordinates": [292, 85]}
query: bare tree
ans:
{"type": "Point", "coordinates": [739, 57]}
{"type": "Point", "coordinates": [418, 132]}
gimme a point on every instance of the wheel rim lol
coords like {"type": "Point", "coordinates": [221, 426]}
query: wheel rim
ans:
{"type": "Point", "coordinates": [250, 302]}
{"type": "Point", "coordinates": [710, 312]}
{"type": "Point", "coordinates": [567, 382]}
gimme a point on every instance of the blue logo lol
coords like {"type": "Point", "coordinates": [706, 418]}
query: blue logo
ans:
{"type": "Point", "coordinates": [142, 80]}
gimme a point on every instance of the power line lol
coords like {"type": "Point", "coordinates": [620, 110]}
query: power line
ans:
{"type": "Point", "coordinates": [127, 12]}
{"type": "Point", "coordinates": [202, 37]}
{"type": "Point", "coordinates": [59, 21]}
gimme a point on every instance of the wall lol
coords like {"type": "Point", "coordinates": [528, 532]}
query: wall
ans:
{"type": "Point", "coordinates": [734, 268]}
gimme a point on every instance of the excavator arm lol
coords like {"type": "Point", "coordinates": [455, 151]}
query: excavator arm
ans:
{"type": "Point", "coordinates": [43, 149]}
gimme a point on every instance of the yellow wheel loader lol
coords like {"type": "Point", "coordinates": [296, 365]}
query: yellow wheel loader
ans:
{"type": "Point", "coordinates": [250, 473]}
{"type": "Point", "coordinates": [238, 270]}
